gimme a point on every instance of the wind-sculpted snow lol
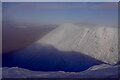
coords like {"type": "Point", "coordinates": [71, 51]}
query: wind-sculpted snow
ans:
{"type": "Point", "coordinates": [101, 72]}
{"type": "Point", "coordinates": [102, 66]}
{"type": "Point", "coordinates": [98, 42]}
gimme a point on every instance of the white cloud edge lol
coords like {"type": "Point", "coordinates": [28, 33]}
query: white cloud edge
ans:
{"type": "Point", "coordinates": [59, 0]}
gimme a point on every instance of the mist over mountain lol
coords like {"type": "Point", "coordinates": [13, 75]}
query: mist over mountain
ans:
{"type": "Point", "coordinates": [60, 40]}
{"type": "Point", "coordinates": [99, 42]}
{"type": "Point", "coordinates": [68, 47]}
{"type": "Point", "coordinates": [19, 35]}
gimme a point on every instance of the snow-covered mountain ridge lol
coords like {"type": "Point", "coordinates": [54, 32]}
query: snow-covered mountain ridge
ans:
{"type": "Point", "coordinates": [98, 42]}
{"type": "Point", "coordinates": [99, 71]}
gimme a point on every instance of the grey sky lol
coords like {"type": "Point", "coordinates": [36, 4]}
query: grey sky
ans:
{"type": "Point", "coordinates": [60, 0]}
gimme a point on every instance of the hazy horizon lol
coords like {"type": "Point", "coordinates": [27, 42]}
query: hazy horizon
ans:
{"type": "Point", "coordinates": [102, 13]}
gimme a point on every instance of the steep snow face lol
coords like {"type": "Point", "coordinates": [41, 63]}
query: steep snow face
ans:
{"type": "Point", "coordinates": [98, 42]}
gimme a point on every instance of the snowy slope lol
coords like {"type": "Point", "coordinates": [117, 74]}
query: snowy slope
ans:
{"type": "Point", "coordinates": [102, 71]}
{"type": "Point", "coordinates": [98, 42]}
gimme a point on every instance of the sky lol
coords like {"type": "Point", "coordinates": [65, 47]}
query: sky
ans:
{"type": "Point", "coordinates": [0, 31]}
{"type": "Point", "coordinates": [60, 0]}
{"type": "Point", "coordinates": [101, 13]}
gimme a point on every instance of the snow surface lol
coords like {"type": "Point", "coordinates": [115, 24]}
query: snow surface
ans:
{"type": "Point", "coordinates": [102, 71]}
{"type": "Point", "coordinates": [98, 42]}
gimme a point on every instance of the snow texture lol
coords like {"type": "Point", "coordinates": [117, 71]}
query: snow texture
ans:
{"type": "Point", "coordinates": [98, 42]}
{"type": "Point", "coordinates": [102, 71]}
